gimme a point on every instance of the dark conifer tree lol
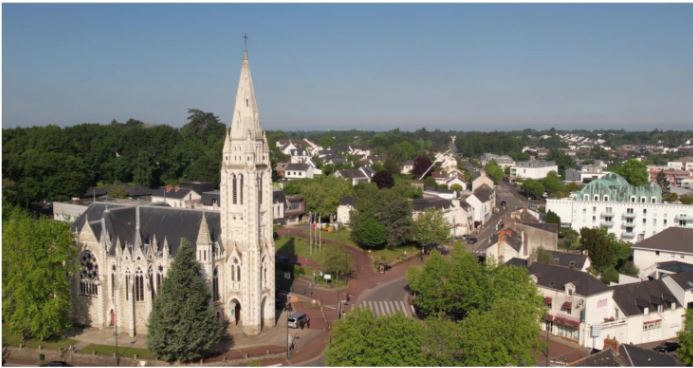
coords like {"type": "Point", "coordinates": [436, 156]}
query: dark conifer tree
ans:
{"type": "Point", "coordinates": [182, 325]}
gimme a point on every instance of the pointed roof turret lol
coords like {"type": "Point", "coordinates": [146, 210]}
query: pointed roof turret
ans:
{"type": "Point", "coordinates": [203, 237]}
{"type": "Point", "coordinates": [246, 121]}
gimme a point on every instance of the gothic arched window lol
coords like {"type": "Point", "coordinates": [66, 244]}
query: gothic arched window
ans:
{"type": "Point", "coordinates": [127, 284]}
{"type": "Point", "coordinates": [88, 274]}
{"type": "Point", "coordinates": [139, 285]}
{"type": "Point", "coordinates": [159, 278]}
{"type": "Point", "coordinates": [259, 187]}
{"type": "Point", "coordinates": [150, 280]}
{"type": "Point", "coordinates": [233, 178]}
{"type": "Point", "coordinates": [241, 176]}
{"type": "Point", "coordinates": [113, 278]}
{"type": "Point", "coordinates": [215, 285]}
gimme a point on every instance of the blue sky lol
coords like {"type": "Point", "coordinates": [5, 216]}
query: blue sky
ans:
{"type": "Point", "coordinates": [362, 66]}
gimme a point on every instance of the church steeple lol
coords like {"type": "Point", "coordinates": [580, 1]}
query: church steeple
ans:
{"type": "Point", "coordinates": [246, 121]}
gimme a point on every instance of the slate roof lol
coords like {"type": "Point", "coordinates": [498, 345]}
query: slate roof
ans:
{"type": "Point", "coordinates": [168, 223]}
{"type": "Point", "coordinates": [684, 279]}
{"type": "Point", "coordinates": [178, 193]}
{"type": "Point", "coordinates": [604, 358]}
{"type": "Point", "coordinates": [132, 190]}
{"type": "Point", "coordinates": [297, 167]}
{"type": "Point", "coordinates": [517, 262]}
{"type": "Point", "coordinates": [570, 260]}
{"type": "Point", "coordinates": [543, 226]}
{"type": "Point", "coordinates": [347, 201]}
{"type": "Point", "coordinates": [673, 239]}
{"type": "Point", "coordinates": [555, 277]}
{"type": "Point", "coordinates": [211, 197]}
{"type": "Point", "coordinates": [675, 266]}
{"type": "Point", "coordinates": [421, 204]}
{"type": "Point", "coordinates": [198, 186]}
{"type": "Point", "coordinates": [633, 298]}
{"type": "Point", "coordinates": [638, 357]}
{"type": "Point", "coordinates": [351, 173]}
{"type": "Point", "coordinates": [512, 238]}
{"type": "Point", "coordinates": [483, 192]}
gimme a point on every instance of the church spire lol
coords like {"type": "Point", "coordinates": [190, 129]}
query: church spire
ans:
{"type": "Point", "coordinates": [246, 121]}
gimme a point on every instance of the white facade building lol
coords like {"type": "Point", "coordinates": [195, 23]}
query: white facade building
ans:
{"type": "Point", "coordinates": [533, 169]}
{"type": "Point", "coordinates": [631, 213]}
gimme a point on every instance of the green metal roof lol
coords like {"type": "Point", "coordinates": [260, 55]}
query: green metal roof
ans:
{"type": "Point", "coordinates": [619, 190]}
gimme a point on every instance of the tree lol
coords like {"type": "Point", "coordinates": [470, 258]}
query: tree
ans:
{"type": "Point", "coordinates": [554, 185]}
{"type": "Point", "coordinates": [663, 182]}
{"type": "Point", "coordinates": [494, 171]}
{"type": "Point", "coordinates": [360, 339]}
{"type": "Point", "coordinates": [634, 171]}
{"type": "Point", "coordinates": [396, 217]}
{"type": "Point", "coordinates": [552, 218]}
{"type": "Point", "coordinates": [367, 231]}
{"type": "Point", "coordinates": [383, 179]}
{"type": "Point", "coordinates": [533, 188]}
{"type": "Point", "coordinates": [505, 335]}
{"type": "Point", "coordinates": [609, 255]}
{"type": "Point", "coordinates": [337, 261]}
{"type": "Point", "coordinates": [37, 261]}
{"type": "Point", "coordinates": [422, 165]}
{"type": "Point", "coordinates": [182, 324]}
{"type": "Point", "coordinates": [431, 227]}
{"type": "Point", "coordinates": [391, 166]}
{"type": "Point", "coordinates": [442, 343]}
{"type": "Point", "coordinates": [685, 352]}
{"type": "Point", "coordinates": [322, 194]}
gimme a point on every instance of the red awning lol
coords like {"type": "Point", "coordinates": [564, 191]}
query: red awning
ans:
{"type": "Point", "coordinates": [567, 306]}
{"type": "Point", "coordinates": [566, 322]}
{"type": "Point", "coordinates": [547, 300]}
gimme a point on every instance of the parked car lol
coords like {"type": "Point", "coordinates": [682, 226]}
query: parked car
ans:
{"type": "Point", "coordinates": [298, 320]}
{"type": "Point", "coordinates": [471, 240]}
{"type": "Point", "coordinates": [667, 347]}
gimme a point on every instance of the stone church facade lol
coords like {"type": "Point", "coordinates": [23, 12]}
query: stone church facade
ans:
{"type": "Point", "coordinates": [126, 250]}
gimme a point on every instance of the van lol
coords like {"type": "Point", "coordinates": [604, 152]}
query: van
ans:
{"type": "Point", "coordinates": [298, 320]}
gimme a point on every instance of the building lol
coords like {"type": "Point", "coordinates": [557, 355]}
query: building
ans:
{"type": "Point", "coordinates": [125, 251]}
{"type": "Point", "coordinates": [298, 171]}
{"type": "Point", "coordinates": [278, 206]}
{"type": "Point", "coordinates": [457, 213]}
{"type": "Point", "coordinates": [483, 202]}
{"type": "Point", "coordinates": [176, 196]}
{"type": "Point", "coordinates": [502, 160]}
{"type": "Point", "coordinates": [407, 167]}
{"type": "Point", "coordinates": [671, 244]}
{"type": "Point", "coordinates": [631, 213]}
{"type": "Point", "coordinates": [533, 169]}
{"type": "Point", "coordinates": [684, 163]}
{"type": "Point", "coordinates": [586, 173]}
{"type": "Point", "coordinates": [344, 210]}
{"type": "Point", "coordinates": [355, 176]}
{"type": "Point", "coordinates": [675, 177]}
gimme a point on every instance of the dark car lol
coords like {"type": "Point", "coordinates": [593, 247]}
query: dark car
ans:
{"type": "Point", "coordinates": [471, 240]}
{"type": "Point", "coordinates": [667, 347]}
{"type": "Point", "coordinates": [56, 363]}
{"type": "Point", "coordinates": [298, 320]}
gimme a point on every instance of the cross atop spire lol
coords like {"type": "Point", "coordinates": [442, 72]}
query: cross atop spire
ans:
{"type": "Point", "coordinates": [245, 42]}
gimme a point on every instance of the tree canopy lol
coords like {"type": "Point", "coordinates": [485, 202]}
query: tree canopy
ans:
{"type": "Point", "coordinates": [430, 227]}
{"type": "Point", "coordinates": [685, 352]}
{"type": "Point", "coordinates": [38, 259]}
{"type": "Point", "coordinates": [634, 171]}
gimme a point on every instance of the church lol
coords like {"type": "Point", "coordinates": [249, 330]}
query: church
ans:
{"type": "Point", "coordinates": [125, 250]}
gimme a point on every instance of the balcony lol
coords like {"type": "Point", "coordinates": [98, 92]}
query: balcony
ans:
{"type": "Point", "coordinates": [607, 214]}
{"type": "Point", "coordinates": [612, 324]}
{"type": "Point", "coordinates": [682, 216]}
{"type": "Point", "coordinates": [628, 215]}
{"type": "Point", "coordinates": [627, 235]}
{"type": "Point", "coordinates": [607, 223]}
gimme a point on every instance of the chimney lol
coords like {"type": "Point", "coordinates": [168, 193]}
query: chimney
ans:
{"type": "Point", "coordinates": [611, 343]}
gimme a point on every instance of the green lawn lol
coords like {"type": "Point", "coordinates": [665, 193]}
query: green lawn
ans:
{"type": "Point", "coordinates": [390, 255]}
{"type": "Point", "coordinates": [8, 338]}
{"type": "Point", "coordinates": [122, 351]}
{"type": "Point", "coordinates": [298, 247]}
{"type": "Point", "coordinates": [342, 236]}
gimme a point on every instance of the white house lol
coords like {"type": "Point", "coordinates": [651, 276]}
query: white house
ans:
{"type": "Point", "coordinates": [631, 213]}
{"type": "Point", "coordinates": [482, 179]}
{"type": "Point", "coordinates": [671, 244]}
{"type": "Point", "coordinates": [455, 212]}
{"type": "Point", "coordinates": [344, 210]}
{"type": "Point", "coordinates": [407, 167]}
{"type": "Point", "coordinates": [681, 286]}
{"type": "Point", "coordinates": [684, 163]}
{"type": "Point", "coordinates": [68, 212]}
{"type": "Point", "coordinates": [176, 197]}
{"type": "Point", "coordinates": [483, 202]}
{"type": "Point", "coordinates": [502, 160]}
{"type": "Point", "coordinates": [447, 160]}
{"type": "Point", "coordinates": [299, 171]}
{"type": "Point", "coordinates": [533, 169]}
{"type": "Point", "coordinates": [355, 176]}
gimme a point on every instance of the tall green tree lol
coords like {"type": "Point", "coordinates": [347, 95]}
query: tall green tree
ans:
{"type": "Point", "coordinates": [337, 261]}
{"type": "Point", "coordinates": [533, 188]}
{"type": "Point", "coordinates": [430, 227]}
{"type": "Point", "coordinates": [38, 259]}
{"type": "Point", "coordinates": [685, 352]}
{"type": "Point", "coordinates": [322, 194]}
{"type": "Point", "coordinates": [552, 218]}
{"type": "Point", "coordinates": [396, 217]}
{"type": "Point", "coordinates": [634, 171]}
{"type": "Point", "coordinates": [182, 324]}
{"type": "Point", "coordinates": [360, 339]}
{"type": "Point", "coordinates": [494, 171]}
{"type": "Point", "coordinates": [554, 185]}
{"type": "Point", "coordinates": [663, 182]}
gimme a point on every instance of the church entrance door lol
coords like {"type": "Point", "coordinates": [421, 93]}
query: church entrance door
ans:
{"type": "Point", "coordinates": [236, 311]}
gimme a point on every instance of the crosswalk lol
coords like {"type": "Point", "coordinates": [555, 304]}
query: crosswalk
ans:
{"type": "Point", "coordinates": [381, 308]}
